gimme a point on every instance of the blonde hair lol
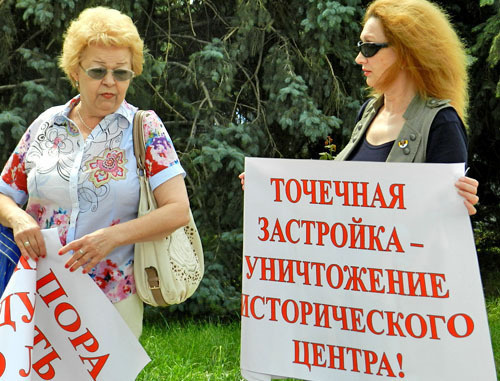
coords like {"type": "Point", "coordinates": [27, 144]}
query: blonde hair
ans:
{"type": "Point", "coordinates": [427, 47]}
{"type": "Point", "coordinates": [100, 26]}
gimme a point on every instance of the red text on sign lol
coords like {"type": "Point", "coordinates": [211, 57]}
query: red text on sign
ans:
{"type": "Point", "coordinates": [348, 278]}
{"type": "Point", "coordinates": [353, 319]}
{"type": "Point", "coordinates": [346, 359]}
{"type": "Point", "coordinates": [347, 193]}
{"type": "Point", "coordinates": [67, 317]}
{"type": "Point", "coordinates": [319, 233]}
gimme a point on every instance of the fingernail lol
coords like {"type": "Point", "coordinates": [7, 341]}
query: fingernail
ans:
{"type": "Point", "coordinates": [72, 270]}
{"type": "Point", "coordinates": [59, 253]}
{"type": "Point", "coordinates": [67, 266]}
{"type": "Point", "coordinates": [84, 272]}
{"type": "Point", "coordinates": [36, 259]}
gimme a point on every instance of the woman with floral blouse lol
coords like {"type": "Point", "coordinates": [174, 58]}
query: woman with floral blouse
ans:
{"type": "Point", "coordinates": [75, 168]}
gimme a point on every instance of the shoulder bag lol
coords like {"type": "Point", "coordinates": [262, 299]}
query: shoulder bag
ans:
{"type": "Point", "coordinates": [169, 270]}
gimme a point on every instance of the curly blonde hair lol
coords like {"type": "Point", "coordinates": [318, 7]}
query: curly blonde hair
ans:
{"type": "Point", "coordinates": [427, 47]}
{"type": "Point", "coordinates": [100, 26]}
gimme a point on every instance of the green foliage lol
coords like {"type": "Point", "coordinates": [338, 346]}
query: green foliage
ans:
{"type": "Point", "coordinates": [488, 250]}
{"type": "Point", "coordinates": [45, 13]}
{"type": "Point", "coordinates": [494, 54]}
{"type": "Point", "coordinates": [7, 37]}
{"type": "Point", "coordinates": [486, 2]}
{"type": "Point", "coordinates": [488, 37]}
{"type": "Point", "coordinates": [291, 105]}
{"type": "Point", "coordinates": [12, 127]}
{"type": "Point", "coordinates": [236, 78]}
{"type": "Point", "coordinates": [330, 150]}
{"type": "Point", "coordinates": [484, 123]}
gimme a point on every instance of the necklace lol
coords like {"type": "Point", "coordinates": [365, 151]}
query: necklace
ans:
{"type": "Point", "coordinates": [81, 119]}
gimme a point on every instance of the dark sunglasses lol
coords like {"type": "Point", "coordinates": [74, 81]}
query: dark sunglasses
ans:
{"type": "Point", "coordinates": [369, 49]}
{"type": "Point", "coordinates": [100, 72]}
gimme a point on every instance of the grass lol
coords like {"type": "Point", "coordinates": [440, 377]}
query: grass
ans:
{"type": "Point", "coordinates": [210, 351]}
{"type": "Point", "coordinates": [493, 308]}
{"type": "Point", "coordinates": [190, 350]}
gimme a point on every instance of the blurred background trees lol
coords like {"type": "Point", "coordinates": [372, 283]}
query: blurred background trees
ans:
{"type": "Point", "coordinates": [236, 78]}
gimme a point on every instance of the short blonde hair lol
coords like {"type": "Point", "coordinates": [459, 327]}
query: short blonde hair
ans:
{"type": "Point", "coordinates": [427, 47]}
{"type": "Point", "coordinates": [100, 26]}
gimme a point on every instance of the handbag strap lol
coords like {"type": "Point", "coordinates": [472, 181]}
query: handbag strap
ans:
{"type": "Point", "coordinates": [140, 155]}
{"type": "Point", "coordinates": [139, 146]}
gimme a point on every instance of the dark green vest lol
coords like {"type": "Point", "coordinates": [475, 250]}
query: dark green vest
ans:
{"type": "Point", "coordinates": [411, 144]}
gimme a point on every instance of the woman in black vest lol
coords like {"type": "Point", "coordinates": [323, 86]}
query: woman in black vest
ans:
{"type": "Point", "coordinates": [419, 89]}
{"type": "Point", "coordinates": [415, 66]}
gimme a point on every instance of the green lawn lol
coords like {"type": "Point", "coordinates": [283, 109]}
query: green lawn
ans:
{"type": "Point", "coordinates": [194, 351]}
{"type": "Point", "coordinates": [209, 351]}
{"type": "Point", "coordinates": [493, 307]}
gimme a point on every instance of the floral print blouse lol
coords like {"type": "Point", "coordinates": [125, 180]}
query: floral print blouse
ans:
{"type": "Point", "coordinates": [80, 185]}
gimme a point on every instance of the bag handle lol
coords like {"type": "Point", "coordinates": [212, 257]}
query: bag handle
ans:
{"type": "Point", "coordinates": [140, 155]}
{"type": "Point", "coordinates": [138, 139]}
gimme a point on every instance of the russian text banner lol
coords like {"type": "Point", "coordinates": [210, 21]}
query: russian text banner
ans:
{"type": "Point", "coordinates": [357, 271]}
{"type": "Point", "coordinates": [57, 325]}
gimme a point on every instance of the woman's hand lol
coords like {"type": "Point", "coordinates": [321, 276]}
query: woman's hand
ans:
{"type": "Point", "coordinates": [467, 188]}
{"type": "Point", "coordinates": [172, 213]}
{"type": "Point", "coordinates": [27, 233]}
{"type": "Point", "coordinates": [89, 250]}
{"type": "Point", "coordinates": [242, 178]}
{"type": "Point", "coordinates": [28, 236]}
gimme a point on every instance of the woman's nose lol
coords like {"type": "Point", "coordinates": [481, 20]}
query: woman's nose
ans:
{"type": "Point", "coordinates": [109, 79]}
{"type": "Point", "coordinates": [360, 59]}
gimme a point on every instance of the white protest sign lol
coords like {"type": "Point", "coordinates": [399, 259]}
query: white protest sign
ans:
{"type": "Point", "coordinates": [360, 271]}
{"type": "Point", "coordinates": [58, 325]}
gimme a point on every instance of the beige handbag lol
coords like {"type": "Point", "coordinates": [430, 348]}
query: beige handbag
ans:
{"type": "Point", "coordinates": [166, 271]}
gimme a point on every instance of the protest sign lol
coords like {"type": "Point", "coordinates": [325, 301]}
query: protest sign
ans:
{"type": "Point", "coordinates": [360, 271]}
{"type": "Point", "coordinates": [58, 325]}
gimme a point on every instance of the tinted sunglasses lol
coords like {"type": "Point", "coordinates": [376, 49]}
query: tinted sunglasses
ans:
{"type": "Point", "coordinates": [369, 49]}
{"type": "Point", "coordinates": [100, 72]}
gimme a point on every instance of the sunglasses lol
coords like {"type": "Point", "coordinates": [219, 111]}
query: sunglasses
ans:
{"type": "Point", "coordinates": [369, 49]}
{"type": "Point", "coordinates": [100, 72]}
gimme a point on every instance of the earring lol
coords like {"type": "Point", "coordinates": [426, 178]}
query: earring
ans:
{"type": "Point", "coordinates": [77, 84]}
